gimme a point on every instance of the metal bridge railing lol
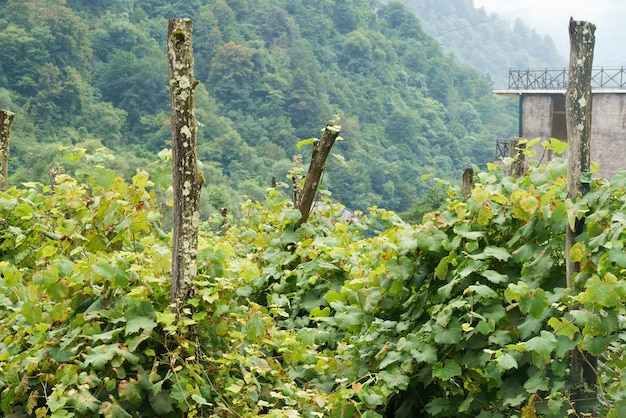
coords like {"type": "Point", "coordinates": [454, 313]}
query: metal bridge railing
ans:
{"type": "Point", "coordinates": [502, 148]}
{"type": "Point", "coordinates": [556, 79]}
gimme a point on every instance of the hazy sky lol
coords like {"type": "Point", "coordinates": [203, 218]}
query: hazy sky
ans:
{"type": "Point", "coordinates": [551, 17]}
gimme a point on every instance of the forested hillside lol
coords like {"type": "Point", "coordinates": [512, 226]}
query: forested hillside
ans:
{"type": "Point", "coordinates": [488, 42]}
{"type": "Point", "coordinates": [470, 313]}
{"type": "Point", "coordinates": [272, 72]}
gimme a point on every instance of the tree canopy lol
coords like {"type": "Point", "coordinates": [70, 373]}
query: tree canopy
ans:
{"type": "Point", "coordinates": [485, 41]}
{"type": "Point", "coordinates": [86, 72]}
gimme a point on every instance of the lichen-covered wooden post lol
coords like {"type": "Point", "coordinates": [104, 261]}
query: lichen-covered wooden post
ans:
{"type": "Point", "coordinates": [578, 120]}
{"type": "Point", "coordinates": [321, 150]}
{"type": "Point", "coordinates": [6, 120]}
{"type": "Point", "coordinates": [187, 178]}
{"type": "Point", "coordinates": [296, 179]}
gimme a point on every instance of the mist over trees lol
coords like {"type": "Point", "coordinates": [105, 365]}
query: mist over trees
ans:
{"type": "Point", "coordinates": [484, 40]}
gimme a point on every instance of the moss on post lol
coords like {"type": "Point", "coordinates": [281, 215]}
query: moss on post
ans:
{"type": "Point", "coordinates": [187, 179]}
{"type": "Point", "coordinates": [578, 119]}
{"type": "Point", "coordinates": [6, 120]}
{"type": "Point", "coordinates": [296, 179]}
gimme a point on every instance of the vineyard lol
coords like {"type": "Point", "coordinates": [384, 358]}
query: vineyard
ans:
{"type": "Point", "coordinates": [464, 315]}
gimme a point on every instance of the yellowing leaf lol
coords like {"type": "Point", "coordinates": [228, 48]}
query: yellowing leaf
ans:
{"type": "Point", "coordinates": [576, 252]}
{"type": "Point", "coordinates": [320, 313]}
{"type": "Point", "coordinates": [529, 204]}
{"type": "Point", "coordinates": [555, 145]}
{"type": "Point", "coordinates": [480, 194]}
{"type": "Point", "coordinates": [234, 388]}
{"type": "Point", "coordinates": [485, 214]}
{"type": "Point", "coordinates": [304, 142]}
{"type": "Point", "coordinates": [608, 292]}
{"type": "Point", "coordinates": [498, 198]}
{"type": "Point", "coordinates": [562, 326]}
{"type": "Point", "coordinates": [199, 399]}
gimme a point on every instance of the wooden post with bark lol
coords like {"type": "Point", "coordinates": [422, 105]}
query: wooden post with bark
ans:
{"type": "Point", "coordinates": [6, 120]}
{"type": "Point", "coordinates": [321, 151]}
{"type": "Point", "coordinates": [296, 179]}
{"type": "Point", "coordinates": [467, 184]}
{"type": "Point", "coordinates": [186, 176]}
{"type": "Point", "coordinates": [516, 152]}
{"type": "Point", "coordinates": [578, 119]}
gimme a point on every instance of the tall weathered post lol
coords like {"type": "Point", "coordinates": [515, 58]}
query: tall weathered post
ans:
{"type": "Point", "coordinates": [6, 120]}
{"type": "Point", "coordinates": [187, 179]}
{"type": "Point", "coordinates": [321, 150]}
{"type": "Point", "coordinates": [578, 119]}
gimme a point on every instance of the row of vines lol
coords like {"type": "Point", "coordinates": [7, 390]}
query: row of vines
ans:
{"type": "Point", "coordinates": [464, 315]}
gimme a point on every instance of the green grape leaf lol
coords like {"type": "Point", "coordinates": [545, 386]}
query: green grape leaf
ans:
{"type": "Point", "coordinates": [506, 362]}
{"type": "Point", "coordinates": [537, 382]}
{"type": "Point", "coordinates": [447, 370]}
{"type": "Point", "coordinates": [543, 344]}
{"type": "Point", "coordinates": [495, 277]}
{"type": "Point", "coordinates": [140, 316]}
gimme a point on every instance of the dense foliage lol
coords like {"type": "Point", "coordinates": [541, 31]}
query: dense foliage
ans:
{"type": "Point", "coordinates": [271, 72]}
{"type": "Point", "coordinates": [466, 314]}
{"type": "Point", "coordinates": [489, 43]}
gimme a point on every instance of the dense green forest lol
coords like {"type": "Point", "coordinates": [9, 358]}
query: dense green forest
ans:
{"type": "Point", "coordinates": [93, 73]}
{"type": "Point", "coordinates": [487, 42]}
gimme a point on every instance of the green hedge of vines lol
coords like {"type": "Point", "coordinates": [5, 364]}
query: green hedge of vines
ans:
{"type": "Point", "coordinates": [464, 315]}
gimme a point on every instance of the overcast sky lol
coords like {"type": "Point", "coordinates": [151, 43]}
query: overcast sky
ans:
{"type": "Point", "coordinates": [551, 17]}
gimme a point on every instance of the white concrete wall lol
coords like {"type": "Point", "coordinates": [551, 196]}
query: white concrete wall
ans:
{"type": "Point", "coordinates": [608, 127]}
{"type": "Point", "coordinates": [536, 116]}
{"type": "Point", "coordinates": [608, 132]}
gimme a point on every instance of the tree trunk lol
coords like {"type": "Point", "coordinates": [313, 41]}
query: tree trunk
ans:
{"type": "Point", "coordinates": [516, 151]}
{"type": "Point", "coordinates": [6, 120]}
{"type": "Point", "coordinates": [468, 183]}
{"type": "Point", "coordinates": [187, 179]}
{"type": "Point", "coordinates": [321, 150]}
{"type": "Point", "coordinates": [578, 117]}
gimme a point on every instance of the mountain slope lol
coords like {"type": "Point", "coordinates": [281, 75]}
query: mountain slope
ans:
{"type": "Point", "coordinates": [271, 72]}
{"type": "Point", "coordinates": [485, 41]}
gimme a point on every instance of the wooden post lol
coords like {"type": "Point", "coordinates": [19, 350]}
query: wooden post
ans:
{"type": "Point", "coordinates": [186, 176]}
{"type": "Point", "coordinates": [321, 150]}
{"type": "Point", "coordinates": [6, 120]}
{"type": "Point", "coordinates": [225, 223]}
{"type": "Point", "coordinates": [468, 183]}
{"type": "Point", "coordinates": [296, 179]}
{"type": "Point", "coordinates": [516, 151]}
{"type": "Point", "coordinates": [578, 119]}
